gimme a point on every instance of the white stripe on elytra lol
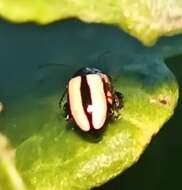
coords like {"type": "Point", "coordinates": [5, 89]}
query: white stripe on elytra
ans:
{"type": "Point", "coordinates": [99, 104]}
{"type": "Point", "coordinates": [76, 106]}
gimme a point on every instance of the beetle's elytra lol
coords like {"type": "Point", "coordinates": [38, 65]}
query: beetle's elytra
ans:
{"type": "Point", "coordinates": [91, 100]}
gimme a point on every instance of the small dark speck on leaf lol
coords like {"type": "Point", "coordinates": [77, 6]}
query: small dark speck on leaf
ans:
{"type": "Point", "coordinates": [163, 101]}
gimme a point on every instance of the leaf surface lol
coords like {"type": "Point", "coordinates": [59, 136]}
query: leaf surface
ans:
{"type": "Point", "coordinates": [147, 20]}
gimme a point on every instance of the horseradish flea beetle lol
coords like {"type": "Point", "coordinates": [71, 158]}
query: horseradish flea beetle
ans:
{"type": "Point", "coordinates": [91, 100]}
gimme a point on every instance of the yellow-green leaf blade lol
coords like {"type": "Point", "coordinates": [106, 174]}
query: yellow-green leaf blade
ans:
{"type": "Point", "coordinates": [147, 20]}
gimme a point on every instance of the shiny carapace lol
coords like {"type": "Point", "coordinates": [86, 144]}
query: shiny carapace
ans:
{"type": "Point", "coordinates": [91, 100]}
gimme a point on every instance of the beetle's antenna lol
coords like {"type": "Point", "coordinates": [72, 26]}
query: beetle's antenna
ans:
{"type": "Point", "coordinates": [99, 58]}
{"type": "Point", "coordinates": [52, 64]}
{"type": "Point", "coordinates": [106, 52]}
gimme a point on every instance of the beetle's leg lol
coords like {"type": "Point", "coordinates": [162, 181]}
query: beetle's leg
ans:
{"type": "Point", "coordinates": [67, 113]}
{"type": "Point", "coordinates": [65, 107]}
{"type": "Point", "coordinates": [61, 99]}
{"type": "Point", "coordinates": [116, 105]}
{"type": "Point", "coordinates": [118, 100]}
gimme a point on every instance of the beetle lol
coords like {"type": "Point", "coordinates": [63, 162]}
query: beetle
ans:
{"type": "Point", "coordinates": [91, 100]}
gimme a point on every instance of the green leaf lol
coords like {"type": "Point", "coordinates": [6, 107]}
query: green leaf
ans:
{"type": "Point", "coordinates": [9, 177]}
{"type": "Point", "coordinates": [50, 154]}
{"type": "Point", "coordinates": [147, 20]}
{"type": "Point", "coordinates": [61, 158]}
